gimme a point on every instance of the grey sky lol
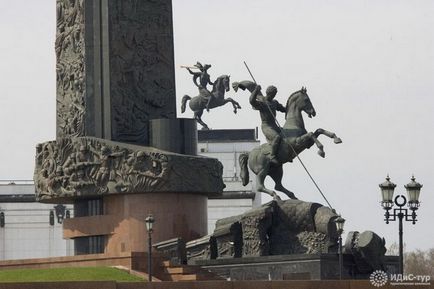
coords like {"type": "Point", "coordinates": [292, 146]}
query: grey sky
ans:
{"type": "Point", "coordinates": [367, 65]}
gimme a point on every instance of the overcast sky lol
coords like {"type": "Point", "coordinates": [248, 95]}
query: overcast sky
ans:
{"type": "Point", "coordinates": [367, 65]}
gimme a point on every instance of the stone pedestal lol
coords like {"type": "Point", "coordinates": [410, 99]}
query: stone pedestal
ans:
{"type": "Point", "coordinates": [114, 186]}
{"type": "Point", "coordinates": [123, 222]}
{"type": "Point", "coordinates": [290, 267]}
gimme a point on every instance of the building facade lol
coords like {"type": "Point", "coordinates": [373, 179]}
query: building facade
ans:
{"type": "Point", "coordinates": [29, 229]}
{"type": "Point", "coordinates": [226, 145]}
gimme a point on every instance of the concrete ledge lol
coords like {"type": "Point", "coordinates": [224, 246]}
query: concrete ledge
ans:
{"type": "Point", "coordinates": [89, 226]}
{"type": "Point", "coordinates": [124, 259]}
{"type": "Point", "coordinates": [345, 284]}
{"type": "Point", "coordinates": [268, 259]}
{"type": "Point", "coordinates": [63, 285]}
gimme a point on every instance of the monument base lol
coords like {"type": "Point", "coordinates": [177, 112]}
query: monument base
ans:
{"type": "Point", "coordinates": [119, 225]}
{"type": "Point", "coordinates": [290, 267]}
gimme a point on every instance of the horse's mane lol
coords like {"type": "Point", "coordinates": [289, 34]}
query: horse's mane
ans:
{"type": "Point", "coordinates": [220, 78]}
{"type": "Point", "coordinates": [291, 99]}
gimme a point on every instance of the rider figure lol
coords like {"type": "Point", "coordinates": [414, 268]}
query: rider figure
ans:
{"type": "Point", "coordinates": [267, 107]}
{"type": "Point", "coordinates": [204, 80]}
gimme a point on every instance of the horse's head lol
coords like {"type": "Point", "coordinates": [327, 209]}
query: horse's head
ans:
{"type": "Point", "coordinates": [300, 101]}
{"type": "Point", "coordinates": [222, 83]}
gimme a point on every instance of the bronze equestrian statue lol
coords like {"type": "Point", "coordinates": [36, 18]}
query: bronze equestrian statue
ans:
{"type": "Point", "coordinates": [267, 161]}
{"type": "Point", "coordinates": [208, 99]}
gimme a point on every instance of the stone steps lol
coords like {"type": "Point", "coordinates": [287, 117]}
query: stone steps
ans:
{"type": "Point", "coordinates": [174, 272]}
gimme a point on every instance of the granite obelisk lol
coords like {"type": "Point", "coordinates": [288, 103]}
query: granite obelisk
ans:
{"type": "Point", "coordinates": [120, 151]}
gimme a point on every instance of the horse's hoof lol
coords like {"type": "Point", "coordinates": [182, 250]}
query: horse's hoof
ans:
{"type": "Point", "coordinates": [337, 140]}
{"type": "Point", "coordinates": [205, 128]}
{"type": "Point", "coordinates": [321, 154]}
{"type": "Point", "coordinates": [235, 111]}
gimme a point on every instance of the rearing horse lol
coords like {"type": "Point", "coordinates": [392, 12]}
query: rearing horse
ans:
{"type": "Point", "coordinates": [295, 139]}
{"type": "Point", "coordinates": [198, 103]}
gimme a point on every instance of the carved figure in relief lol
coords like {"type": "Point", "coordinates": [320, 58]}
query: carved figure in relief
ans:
{"type": "Point", "coordinates": [56, 181]}
{"type": "Point", "coordinates": [106, 171]}
{"type": "Point", "coordinates": [141, 75]}
{"type": "Point", "coordinates": [79, 180]}
{"type": "Point", "coordinates": [70, 69]}
{"type": "Point", "coordinates": [42, 183]}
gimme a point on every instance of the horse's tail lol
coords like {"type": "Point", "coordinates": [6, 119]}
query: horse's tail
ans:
{"type": "Point", "coordinates": [185, 98]}
{"type": "Point", "coordinates": [244, 174]}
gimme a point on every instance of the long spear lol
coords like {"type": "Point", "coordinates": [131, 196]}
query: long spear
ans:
{"type": "Point", "coordinates": [293, 150]}
{"type": "Point", "coordinates": [186, 66]}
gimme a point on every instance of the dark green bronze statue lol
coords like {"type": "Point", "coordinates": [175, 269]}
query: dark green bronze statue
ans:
{"type": "Point", "coordinates": [204, 80]}
{"type": "Point", "coordinates": [267, 107]}
{"type": "Point", "coordinates": [207, 99]}
{"type": "Point", "coordinates": [284, 144]}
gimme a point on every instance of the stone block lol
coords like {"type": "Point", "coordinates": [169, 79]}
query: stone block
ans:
{"type": "Point", "coordinates": [71, 168]}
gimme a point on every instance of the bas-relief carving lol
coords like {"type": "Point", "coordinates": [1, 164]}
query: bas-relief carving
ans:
{"type": "Point", "coordinates": [293, 227]}
{"type": "Point", "coordinates": [141, 80]}
{"type": "Point", "coordinates": [284, 227]}
{"type": "Point", "coordinates": [202, 249]}
{"type": "Point", "coordinates": [79, 167]}
{"type": "Point", "coordinates": [69, 48]}
{"type": "Point", "coordinates": [228, 241]}
{"type": "Point", "coordinates": [255, 226]}
{"type": "Point", "coordinates": [141, 66]}
{"type": "Point", "coordinates": [368, 250]}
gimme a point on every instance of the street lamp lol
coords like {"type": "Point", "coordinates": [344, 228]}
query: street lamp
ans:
{"type": "Point", "coordinates": [340, 228]}
{"type": "Point", "coordinates": [60, 213]}
{"type": "Point", "coordinates": [413, 192]}
{"type": "Point", "coordinates": [149, 227]}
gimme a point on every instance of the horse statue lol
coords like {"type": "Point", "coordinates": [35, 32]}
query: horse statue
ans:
{"type": "Point", "coordinates": [199, 103]}
{"type": "Point", "coordinates": [295, 139]}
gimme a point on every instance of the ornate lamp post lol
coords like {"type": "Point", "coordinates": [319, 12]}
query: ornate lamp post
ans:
{"type": "Point", "coordinates": [413, 192]}
{"type": "Point", "coordinates": [340, 228]}
{"type": "Point", "coordinates": [149, 224]}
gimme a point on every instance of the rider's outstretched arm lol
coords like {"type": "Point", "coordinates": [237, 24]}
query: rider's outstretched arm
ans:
{"type": "Point", "coordinates": [253, 98]}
